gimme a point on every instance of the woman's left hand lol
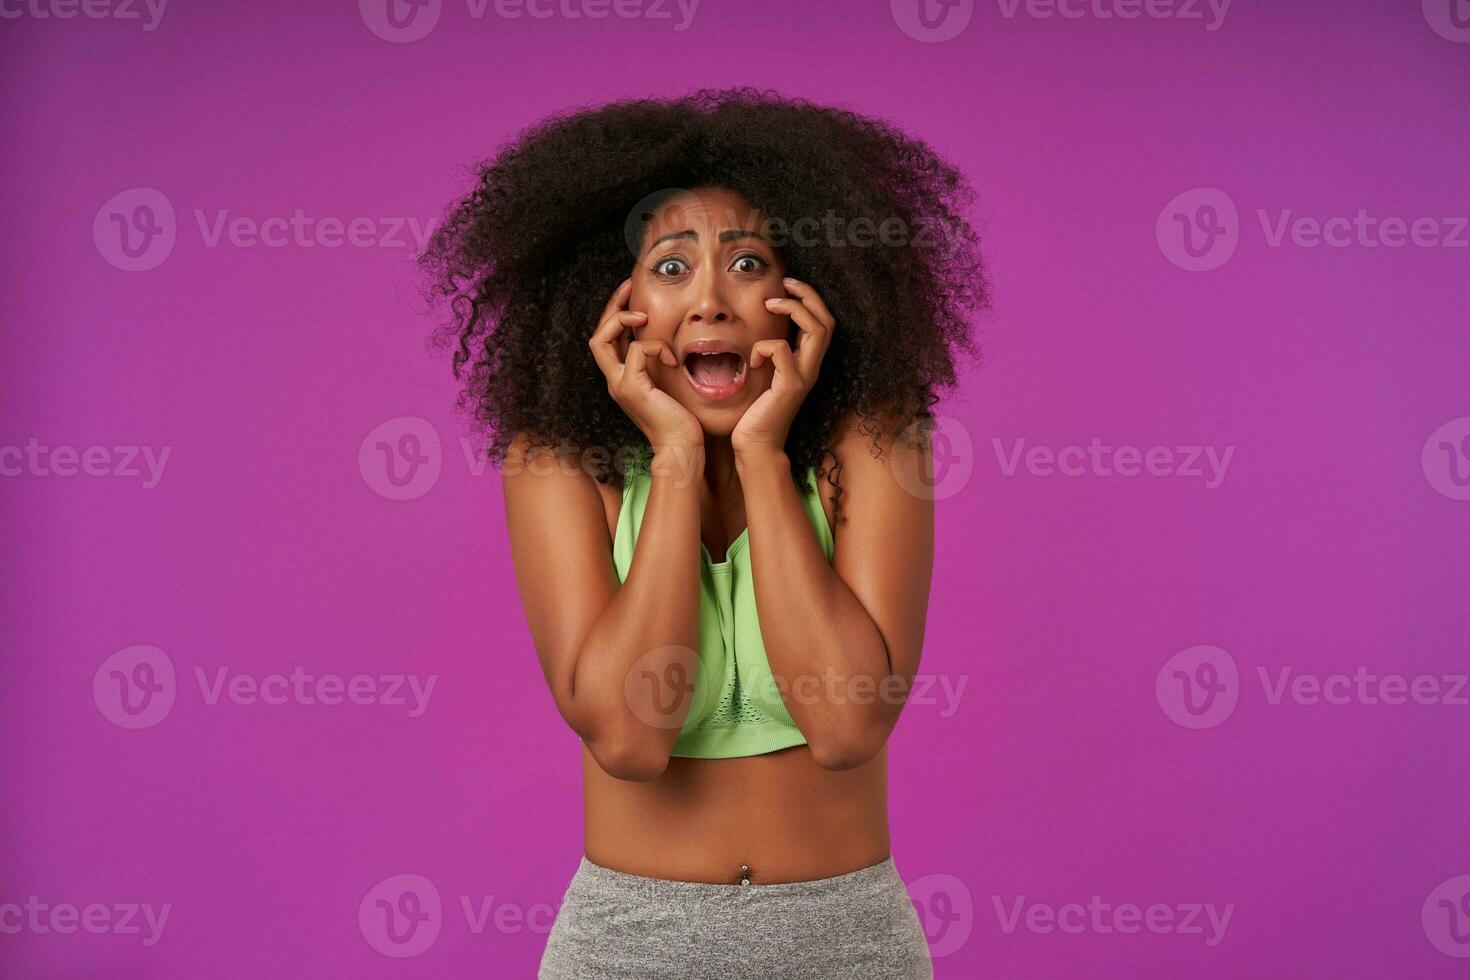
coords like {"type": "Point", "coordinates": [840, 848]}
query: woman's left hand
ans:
{"type": "Point", "coordinates": [765, 425]}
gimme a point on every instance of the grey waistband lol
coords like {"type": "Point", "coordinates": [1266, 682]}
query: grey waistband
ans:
{"type": "Point", "coordinates": [875, 877]}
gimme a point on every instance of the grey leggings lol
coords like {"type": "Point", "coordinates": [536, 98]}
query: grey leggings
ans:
{"type": "Point", "coordinates": [618, 926]}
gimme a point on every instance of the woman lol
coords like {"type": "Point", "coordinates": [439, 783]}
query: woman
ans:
{"type": "Point", "coordinates": [700, 327]}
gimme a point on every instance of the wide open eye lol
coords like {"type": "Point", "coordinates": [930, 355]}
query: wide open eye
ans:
{"type": "Point", "coordinates": [670, 268]}
{"type": "Point", "coordinates": [749, 263]}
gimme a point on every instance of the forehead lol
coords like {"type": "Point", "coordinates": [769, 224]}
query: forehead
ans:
{"type": "Point", "coordinates": [712, 209]}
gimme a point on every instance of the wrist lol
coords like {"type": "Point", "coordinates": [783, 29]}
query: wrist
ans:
{"type": "Point", "coordinates": [684, 459]}
{"type": "Point", "coordinates": [771, 457]}
{"type": "Point", "coordinates": [682, 447]}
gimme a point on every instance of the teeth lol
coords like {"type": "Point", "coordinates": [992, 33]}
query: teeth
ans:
{"type": "Point", "coordinates": [689, 360]}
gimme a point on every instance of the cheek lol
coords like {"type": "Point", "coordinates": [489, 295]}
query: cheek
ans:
{"type": "Point", "coordinates": [766, 324]}
{"type": "Point", "coordinates": [664, 311]}
{"type": "Point", "coordinates": [638, 298]}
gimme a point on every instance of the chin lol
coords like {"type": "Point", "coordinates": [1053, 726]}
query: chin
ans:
{"type": "Point", "coordinates": [718, 422]}
{"type": "Point", "coordinates": [719, 418]}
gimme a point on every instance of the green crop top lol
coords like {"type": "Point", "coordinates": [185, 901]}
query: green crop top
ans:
{"type": "Point", "coordinates": [737, 709]}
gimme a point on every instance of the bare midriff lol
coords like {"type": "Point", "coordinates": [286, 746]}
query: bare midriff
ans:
{"type": "Point", "coordinates": [781, 815]}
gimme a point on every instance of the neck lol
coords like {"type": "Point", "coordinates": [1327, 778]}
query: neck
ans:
{"type": "Point", "coordinates": [719, 464]}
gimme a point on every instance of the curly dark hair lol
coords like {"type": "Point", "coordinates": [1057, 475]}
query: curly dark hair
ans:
{"type": "Point", "coordinates": [529, 257]}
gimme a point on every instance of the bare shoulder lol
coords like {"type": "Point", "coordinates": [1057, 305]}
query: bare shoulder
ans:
{"type": "Point", "coordinates": [553, 477]}
{"type": "Point", "coordinates": [883, 462]}
{"type": "Point", "coordinates": [895, 434]}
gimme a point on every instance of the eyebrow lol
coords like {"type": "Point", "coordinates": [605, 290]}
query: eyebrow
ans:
{"type": "Point", "coordinates": [725, 236]}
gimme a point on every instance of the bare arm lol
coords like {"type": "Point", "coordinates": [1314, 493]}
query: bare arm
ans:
{"type": "Point", "coordinates": [597, 641]}
{"type": "Point", "coordinates": [845, 638]}
{"type": "Point", "coordinates": [591, 634]}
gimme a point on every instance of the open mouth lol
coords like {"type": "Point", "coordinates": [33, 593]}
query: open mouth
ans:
{"type": "Point", "coordinates": [715, 375]}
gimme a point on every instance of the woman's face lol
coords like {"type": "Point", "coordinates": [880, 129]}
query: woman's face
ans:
{"type": "Point", "coordinates": [703, 275]}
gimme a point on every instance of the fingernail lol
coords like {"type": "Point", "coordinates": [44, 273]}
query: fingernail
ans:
{"type": "Point", "coordinates": [791, 282]}
{"type": "Point", "coordinates": [774, 299]}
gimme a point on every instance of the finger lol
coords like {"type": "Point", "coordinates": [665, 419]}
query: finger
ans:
{"type": "Point", "coordinates": [812, 300]}
{"type": "Point", "coordinates": [619, 299]}
{"type": "Point", "coordinates": [815, 336]}
{"type": "Point", "coordinates": [778, 352]}
{"type": "Point", "coordinates": [640, 351]}
{"type": "Point", "coordinates": [616, 303]}
{"type": "Point", "coordinates": [786, 362]}
{"type": "Point", "coordinates": [660, 350]}
{"type": "Point", "coordinates": [607, 335]}
{"type": "Point", "coordinates": [637, 355]}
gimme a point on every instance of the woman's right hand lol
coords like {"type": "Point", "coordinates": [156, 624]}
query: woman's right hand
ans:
{"type": "Point", "coordinates": [664, 422]}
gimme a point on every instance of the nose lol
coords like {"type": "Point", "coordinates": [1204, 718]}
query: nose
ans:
{"type": "Point", "coordinates": [707, 303]}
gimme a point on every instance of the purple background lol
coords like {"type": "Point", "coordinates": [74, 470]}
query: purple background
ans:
{"type": "Point", "coordinates": [1330, 544]}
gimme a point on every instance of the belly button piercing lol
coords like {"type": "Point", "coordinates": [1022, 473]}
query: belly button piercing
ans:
{"type": "Point", "coordinates": [745, 874]}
